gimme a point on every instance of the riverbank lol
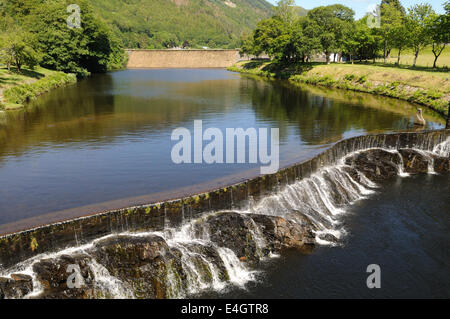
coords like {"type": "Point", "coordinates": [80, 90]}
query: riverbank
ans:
{"type": "Point", "coordinates": [428, 88]}
{"type": "Point", "coordinates": [17, 88]}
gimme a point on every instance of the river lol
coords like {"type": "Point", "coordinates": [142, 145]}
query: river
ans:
{"type": "Point", "coordinates": [105, 142]}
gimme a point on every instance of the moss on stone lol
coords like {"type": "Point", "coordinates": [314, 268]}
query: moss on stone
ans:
{"type": "Point", "coordinates": [33, 244]}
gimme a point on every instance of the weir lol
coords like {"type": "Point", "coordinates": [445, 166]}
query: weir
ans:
{"type": "Point", "coordinates": [268, 195]}
{"type": "Point", "coordinates": [182, 58]}
{"type": "Point", "coordinates": [216, 239]}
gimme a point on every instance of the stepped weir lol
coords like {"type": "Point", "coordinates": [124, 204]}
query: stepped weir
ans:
{"type": "Point", "coordinates": [209, 240]}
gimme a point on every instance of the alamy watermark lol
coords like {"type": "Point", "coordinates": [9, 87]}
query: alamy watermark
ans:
{"type": "Point", "coordinates": [74, 20]}
{"type": "Point", "coordinates": [234, 149]}
{"type": "Point", "coordinates": [75, 279]}
{"type": "Point", "coordinates": [374, 279]}
{"type": "Point", "coordinates": [374, 16]}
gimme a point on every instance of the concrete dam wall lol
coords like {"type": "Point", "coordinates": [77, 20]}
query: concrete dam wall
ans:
{"type": "Point", "coordinates": [182, 58]}
{"type": "Point", "coordinates": [20, 246]}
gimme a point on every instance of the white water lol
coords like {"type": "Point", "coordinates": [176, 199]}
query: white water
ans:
{"type": "Point", "coordinates": [110, 285]}
{"type": "Point", "coordinates": [322, 198]}
{"type": "Point", "coordinates": [443, 149]}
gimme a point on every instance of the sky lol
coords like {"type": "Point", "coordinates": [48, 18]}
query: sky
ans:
{"type": "Point", "coordinates": [360, 6]}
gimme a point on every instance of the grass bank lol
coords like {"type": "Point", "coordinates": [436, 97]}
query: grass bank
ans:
{"type": "Point", "coordinates": [425, 87]}
{"type": "Point", "coordinates": [17, 88]}
{"type": "Point", "coordinates": [425, 58]}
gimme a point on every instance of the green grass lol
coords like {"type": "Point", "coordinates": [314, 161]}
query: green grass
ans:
{"type": "Point", "coordinates": [428, 79]}
{"type": "Point", "coordinates": [17, 88]}
{"type": "Point", "coordinates": [425, 58]}
{"type": "Point", "coordinates": [8, 79]}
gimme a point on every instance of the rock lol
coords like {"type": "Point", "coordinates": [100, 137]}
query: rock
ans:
{"type": "Point", "coordinates": [280, 233]}
{"type": "Point", "coordinates": [21, 277]}
{"type": "Point", "coordinates": [234, 231]}
{"type": "Point", "coordinates": [203, 257]}
{"type": "Point", "coordinates": [441, 164]}
{"type": "Point", "coordinates": [53, 274]}
{"type": "Point", "coordinates": [145, 263]}
{"type": "Point", "coordinates": [418, 162]}
{"type": "Point", "coordinates": [253, 236]}
{"type": "Point", "coordinates": [16, 287]}
{"type": "Point", "coordinates": [375, 164]}
{"type": "Point", "coordinates": [328, 237]}
{"type": "Point", "coordinates": [378, 164]}
{"type": "Point", "coordinates": [414, 161]}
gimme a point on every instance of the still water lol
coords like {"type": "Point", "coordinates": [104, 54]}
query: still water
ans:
{"type": "Point", "coordinates": [403, 228]}
{"type": "Point", "coordinates": [105, 142]}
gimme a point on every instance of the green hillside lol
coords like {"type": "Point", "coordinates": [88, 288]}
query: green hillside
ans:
{"type": "Point", "coordinates": [301, 11]}
{"type": "Point", "coordinates": [151, 24]}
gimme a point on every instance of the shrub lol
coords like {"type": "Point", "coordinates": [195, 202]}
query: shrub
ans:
{"type": "Point", "coordinates": [349, 77]}
{"type": "Point", "coordinates": [362, 79]}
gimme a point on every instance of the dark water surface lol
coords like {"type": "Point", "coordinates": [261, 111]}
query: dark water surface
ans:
{"type": "Point", "coordinates": [404, 228]}
{"type": "Point", "coordinates": [107, 138]}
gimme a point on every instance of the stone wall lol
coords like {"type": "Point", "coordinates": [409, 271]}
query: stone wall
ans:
{"type": "Point", "coordinates": [23, 245]}
{"type": "Point", "coordinates": [182, 58]}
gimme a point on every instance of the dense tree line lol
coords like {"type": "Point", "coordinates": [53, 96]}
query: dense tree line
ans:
{"type": "Point", "coordinates": [36, 32]}
{"type": "Point", "coordinates": [288, 38]}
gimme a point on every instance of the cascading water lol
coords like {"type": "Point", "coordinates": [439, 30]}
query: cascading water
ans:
{"type": "Point", "coordinates": [321, 198]}
{"type": "Point", "coordinates": [193, 240]}
{"type": "Point", "coordinates": [312, 196]}
{"type": "Point", "coordinates": [110, 286]}
{"type": "Point", "coordinates": [443, 149]}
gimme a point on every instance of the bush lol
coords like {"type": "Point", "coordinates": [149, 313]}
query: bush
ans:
{"type": "Point", "coordinates": [362, 79]}
{"type": "Point", "coordinates": [349, 77]}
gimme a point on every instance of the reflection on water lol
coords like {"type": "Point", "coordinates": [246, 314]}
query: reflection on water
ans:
{"type": "Point", "coordinates": [108, 137]}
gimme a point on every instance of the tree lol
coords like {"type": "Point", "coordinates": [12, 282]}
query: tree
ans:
{"type": "Point", "coordinates": [273, 36]}
{"type": "Point", "coordinates": [166, 39]}
{"type": "Point", "coordinates": [361, 41]}
{"type": "Point", "coordinates": [394, 3]}
{"type": "Point", "coordinates": [286, 11]}
{"type": "Point", "coordinates": [418, 20]}
{"type": "Point", "coordinates": [17, 50]}
{"type": "Point", "coordinates": [401, 38]}
{"type": "Point", "coordinates": [89, 48]}
{"type": "Point", "coordinates": [332, 22]}
{"type": "Point", "coordinates": [248, 46]}
{"type": "Point", "coordinates": [439, 31]}
{"type": "Point", "coordinates": [391, 19]}
{"type": "Point", "coordinates": [305, 38]}
{"type": "Point", "coordinates": [186, 44]}
{"type": "Point", "coordinates": [6, 56]}
{"type": "Point", "coordinates": [439, 35]}
{"type": "Point", "coordinates": [351, 47]}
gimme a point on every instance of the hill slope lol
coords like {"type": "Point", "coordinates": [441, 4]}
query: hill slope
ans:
{"type": "Point", "coordinates": [168, 23]}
